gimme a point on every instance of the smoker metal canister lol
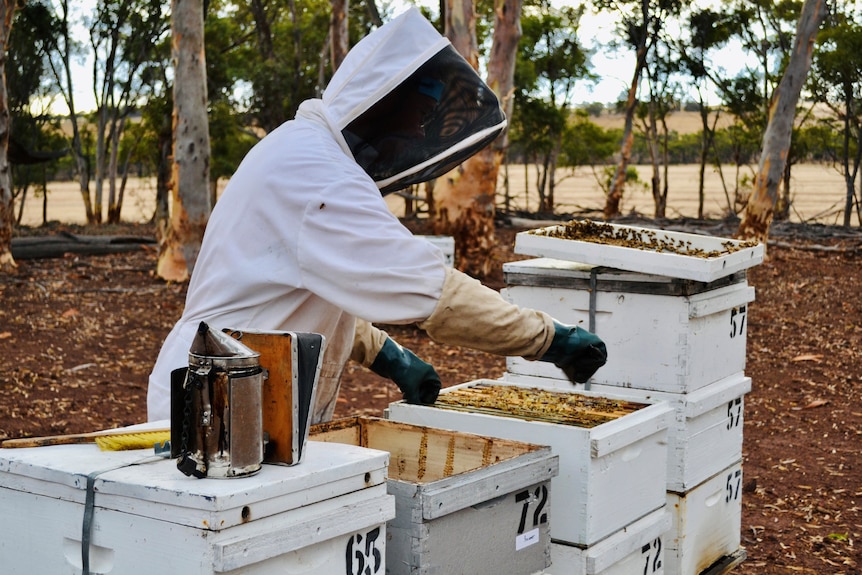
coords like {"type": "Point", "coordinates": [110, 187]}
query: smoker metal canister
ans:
{"type": "Point", "coordinates": [222, 417]}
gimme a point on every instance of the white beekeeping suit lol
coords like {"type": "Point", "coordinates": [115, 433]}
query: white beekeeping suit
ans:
{"type": "Point", "coordinates": [302, 240]}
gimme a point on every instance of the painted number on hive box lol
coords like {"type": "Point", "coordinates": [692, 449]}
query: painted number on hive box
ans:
{"type": "Point", "coordinates": [737, 321]}
{"type": "Point", "coordinates": [363, 554]}
{"type": "Point", "coordinates": [734, 413]}
{"type": "Point", "coordinates": [533, 514]}
{"type": "Point", "coordinates": [652, 556]}
{"type": "Point", "coordinates": [734, 480]}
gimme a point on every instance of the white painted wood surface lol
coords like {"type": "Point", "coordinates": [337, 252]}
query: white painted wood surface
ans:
{"type": "Point", "coordinates": [609, 475]}
{"type": "Point", "coordinates": [634, 550]}
{"type": "Point", "coordinates": [671, 343]}
{"type": "Point", "coordinates": [672, 264]}
{"type": "Point", "coordinates": [150, 518]}
{"type": "Point", "coordinates": [706, 434]}
{"type": "Point", "coordinates": [707, 523]}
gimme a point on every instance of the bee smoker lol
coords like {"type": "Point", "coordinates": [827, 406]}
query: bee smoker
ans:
{"type": "Point", "coordinates": [216, 411]}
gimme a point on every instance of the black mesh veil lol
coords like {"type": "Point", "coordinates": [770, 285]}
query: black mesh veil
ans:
{"type": "Point", "coordinates": [437, 118]}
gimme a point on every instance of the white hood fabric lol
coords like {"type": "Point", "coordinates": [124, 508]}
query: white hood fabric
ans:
{"type": "Point", "coordinates": [302, 240]}
{"type": "Point", "coordinates": [379, 63]}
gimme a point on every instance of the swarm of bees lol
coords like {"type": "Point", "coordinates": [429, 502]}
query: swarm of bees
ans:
{"type": "Point", "coordinates": [642, 239]}
{"type": "Point", "coordinates": [536, 404]}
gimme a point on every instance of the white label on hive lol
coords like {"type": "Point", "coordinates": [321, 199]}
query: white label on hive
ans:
{"type": "Point", "coordinates": [524, 540]}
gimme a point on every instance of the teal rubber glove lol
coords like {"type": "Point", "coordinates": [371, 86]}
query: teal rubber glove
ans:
{"type": "Point", "coordinates": [417, 380]}
{"type": "Point", "coordinates": [576, 351]}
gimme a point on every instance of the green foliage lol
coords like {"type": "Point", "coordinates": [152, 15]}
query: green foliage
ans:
{"type": "Point", "coordinates": [35, 135]}
{"type": "Point", "coordinates": [26, 63]}
{"type": "Point", "coordinates": [537, 127]}
{"type": "Point", "coordinates": [266, 55]}
{"type": "Point", "coordinates": [835, 81]}
{"type": "Point", "coordinates": [549, 63]}
{"type": "Point", "coordinates": [633, 180]}
{"type": "Point", "coordinates": [709, 29]}
{"type": "Point", "coordinates": [594, 109]}
{"type": "Point", "coordinates": [230, 142]}
{"type": "Point", "coordinates": [587, 144]}
{"type": "Point", "coordinates": [270, 59]}
{"type": "Point", "coordinates": [550, 59]}
{"type": "Point", "coordinates": [836, 68]}
{"type": "Point", "coordinates": [263, 60]}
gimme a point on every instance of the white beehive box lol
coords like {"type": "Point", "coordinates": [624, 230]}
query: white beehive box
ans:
{"type": "Point", "coordinates": [651, 251]}
{"type": "Point", "coordinates": [464, 503]}
{"type": "Point", "coordinates": [634, 550]}
{"type": "Point", "coordinates": [662, 334]}
{"type": "Point", "coordinates": [707, 524]}
{"type": "Point", "coordinates": [706, 434]}
{"type": "Point", "coordinates": [328, 514]}
{"type": "Point", "coordinates": [610, 475]}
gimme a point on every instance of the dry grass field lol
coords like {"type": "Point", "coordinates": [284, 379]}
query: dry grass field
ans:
{"type": "Point", "coordinates": [681, 122]}
{"type": "Point", "coordinates": [817, 191]}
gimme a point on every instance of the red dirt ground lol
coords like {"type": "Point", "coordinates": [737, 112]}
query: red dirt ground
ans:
{"type": "Point", "coordinates": [78, 336]}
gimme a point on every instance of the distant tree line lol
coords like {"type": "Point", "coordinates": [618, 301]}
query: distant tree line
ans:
{"type": "Point", "coordinates": [264, 57]}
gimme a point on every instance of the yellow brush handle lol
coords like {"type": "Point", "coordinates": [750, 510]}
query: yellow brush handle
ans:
{"type": "Point", "coordinates": [72, 438]}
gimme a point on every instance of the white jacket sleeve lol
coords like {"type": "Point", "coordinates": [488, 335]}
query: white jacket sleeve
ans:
{"type": "Point", "coordinates": [472, 315]}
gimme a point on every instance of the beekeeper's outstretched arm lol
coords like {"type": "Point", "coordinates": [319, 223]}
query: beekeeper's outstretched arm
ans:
{"type": "Point", "coordinates": [373, 348]}
{"type": "Point", "coordinates": [472, 315]}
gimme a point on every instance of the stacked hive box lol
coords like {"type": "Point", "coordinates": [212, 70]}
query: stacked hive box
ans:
{"type": "Point", "coordinates": [674, 321]}
{"type": "Point", "coordinates": [68, 507]}
{"type": "Point", "coordinates": [607, 512]}
{"type": "Point", "coordinates": [465, 503]}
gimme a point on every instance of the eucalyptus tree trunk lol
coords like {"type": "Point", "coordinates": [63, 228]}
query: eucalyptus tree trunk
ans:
{"type": "Point", "coordinates": [464, 199]}
{"type": "Point", "coordinates": [460, 28]}
{"type": "Point", "coordinates": [707, 137]}
{"type": "Point", "coordinates": [339, 42]}
{"type": "Point", "coordinates": [615, 194]}
{"type": "Point", "coordinates": [373, 13]}
{"type": "Point", "coordinates": [850, 172]}
{"type": "Point", "coordinates": [191, 144]}
{"type": "Point", "coordinates": [7, 211]}
{"type": "Point", "coordinates": [652, 141]}
{"type": "Point", "coordinates": [776, 140]}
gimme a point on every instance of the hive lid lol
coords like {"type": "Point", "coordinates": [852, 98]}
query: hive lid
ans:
{"type": "Point", "coordinates": [137, 482]}
{"type": "Point", "coordinates": [645, 250]}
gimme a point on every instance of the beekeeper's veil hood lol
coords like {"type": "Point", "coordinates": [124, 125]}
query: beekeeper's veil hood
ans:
{"type": "Point", "coordinates": [408, 106]}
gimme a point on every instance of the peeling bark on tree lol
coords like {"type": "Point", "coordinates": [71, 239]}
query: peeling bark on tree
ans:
{"type": "Point", "coordinates": [776, 140]}
{"type": "Point", "coordinates": [190, 175]}
{"type": "Point", "coordinates": [7, 211]}
{"type": "Point", "coordinates": [467, 214]}
{"type": "Point", "coordinates": [461, 30]}
{"type": "Point", "coordinates": [464, 199]}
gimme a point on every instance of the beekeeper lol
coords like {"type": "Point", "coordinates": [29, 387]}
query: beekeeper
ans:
{"type": "Point", "coordinates": [302, 240]}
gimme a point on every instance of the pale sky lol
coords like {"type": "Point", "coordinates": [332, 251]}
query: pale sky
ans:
{"type": "Point", "coordinates": [614, 69]}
